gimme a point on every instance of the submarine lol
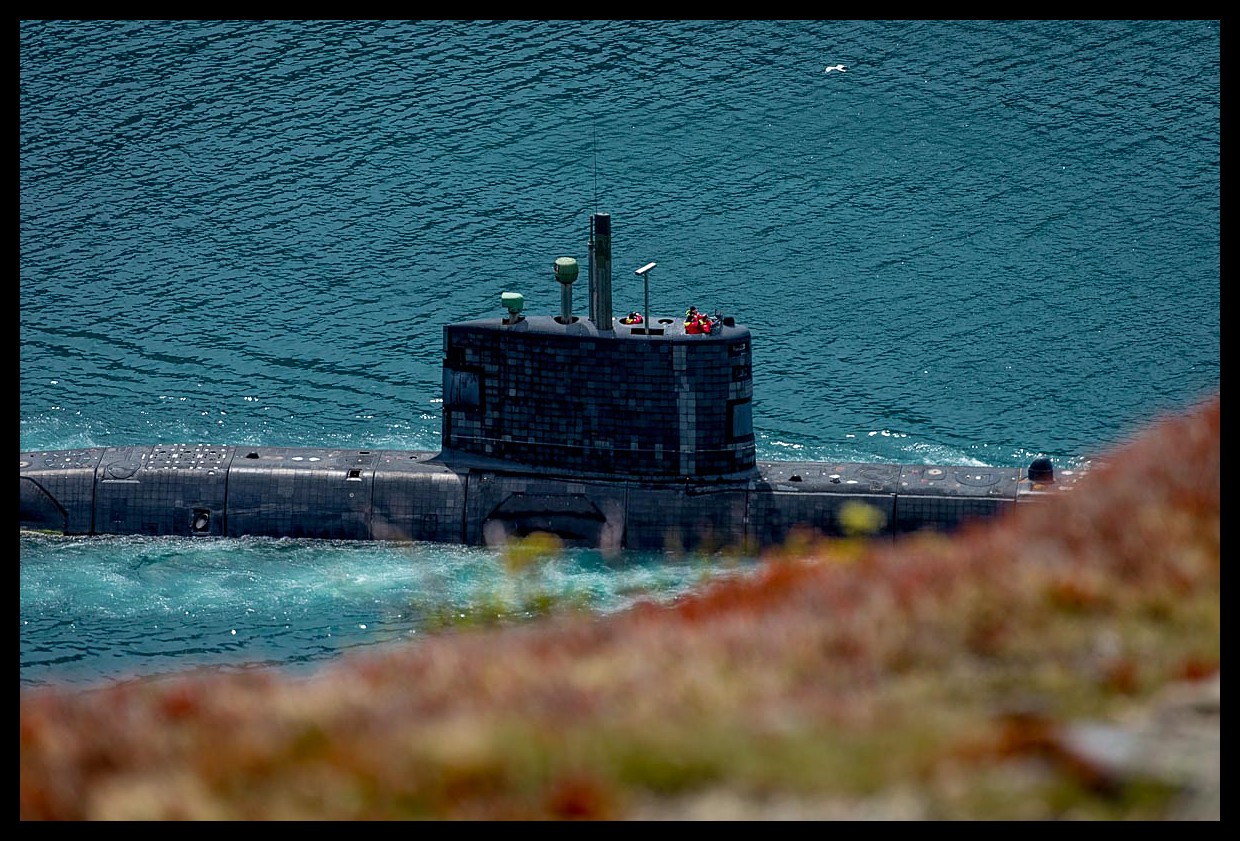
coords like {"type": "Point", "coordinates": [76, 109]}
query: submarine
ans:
{"type": "Point", "coordinates": [607, 434]}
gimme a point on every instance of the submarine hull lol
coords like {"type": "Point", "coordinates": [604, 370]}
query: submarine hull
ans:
{"type": "Point", "coordinates": [609, 434]}
{"type": "Point", "coordinates": [224, 491]}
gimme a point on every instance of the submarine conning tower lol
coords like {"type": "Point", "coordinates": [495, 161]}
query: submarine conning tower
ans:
{"type": "Point", "coordinates": [596, 396]}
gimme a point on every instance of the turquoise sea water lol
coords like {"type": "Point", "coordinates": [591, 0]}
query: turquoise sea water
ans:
{"type": "Point", "coordinates": [981, 242]}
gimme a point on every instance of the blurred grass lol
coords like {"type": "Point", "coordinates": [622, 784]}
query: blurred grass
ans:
{"type": "Point", "coordinates": [932, 678]}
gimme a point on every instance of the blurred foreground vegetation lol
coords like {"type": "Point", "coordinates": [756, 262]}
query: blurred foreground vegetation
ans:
{"type": "Point", "coordinates": [930, 678]}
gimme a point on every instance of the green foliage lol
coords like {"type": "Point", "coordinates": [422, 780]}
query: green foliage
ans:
{"type": "Point", "coordinates": [523, 593]}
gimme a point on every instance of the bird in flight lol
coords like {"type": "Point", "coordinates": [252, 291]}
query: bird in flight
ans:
{"type": "Point", "coordinates": [838, 67]}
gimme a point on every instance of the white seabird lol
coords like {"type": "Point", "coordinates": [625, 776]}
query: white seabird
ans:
{"type": "Point", "coordinates": [838, 67]}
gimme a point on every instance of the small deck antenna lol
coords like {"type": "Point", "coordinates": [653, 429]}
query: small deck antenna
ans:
{"type": "Point", "coordinates": [594, 128]}
{"type": "Point", "coordinates": [644, 274]}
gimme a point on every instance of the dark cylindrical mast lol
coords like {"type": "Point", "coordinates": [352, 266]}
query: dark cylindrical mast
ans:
{"type": "Point", "coordinates": [600, 270]}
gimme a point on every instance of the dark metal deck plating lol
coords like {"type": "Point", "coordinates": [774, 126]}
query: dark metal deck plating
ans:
{"type": "Point", "coordinates": [225, 491]}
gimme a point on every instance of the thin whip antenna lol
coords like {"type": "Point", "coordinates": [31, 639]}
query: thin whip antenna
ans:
{"type": "Point", "coordinates": [595, 130]}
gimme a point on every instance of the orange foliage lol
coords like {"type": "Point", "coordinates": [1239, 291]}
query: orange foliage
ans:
{"type": "Point", "coordinates": [542, 720]}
